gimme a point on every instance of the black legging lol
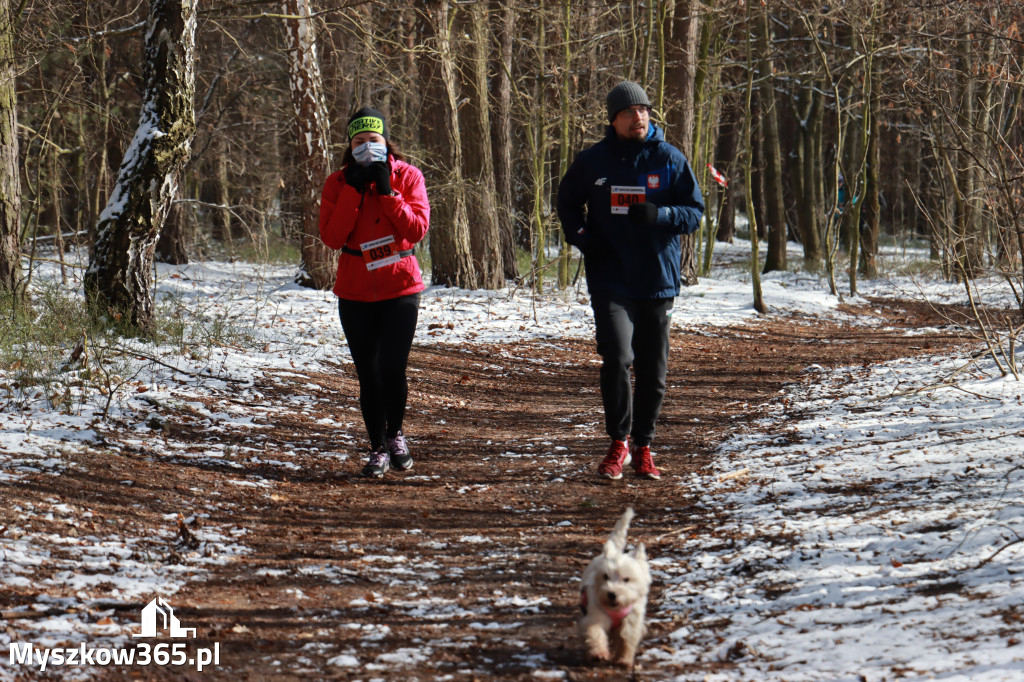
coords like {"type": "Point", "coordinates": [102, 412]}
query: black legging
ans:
{"type": "Point", "coordinates": [379, 337]}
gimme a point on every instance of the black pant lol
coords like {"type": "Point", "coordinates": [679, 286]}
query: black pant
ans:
{"type": "Point", "coordinates": [632, 332]}
{"type": "Point", "coordinates": [379, 337]}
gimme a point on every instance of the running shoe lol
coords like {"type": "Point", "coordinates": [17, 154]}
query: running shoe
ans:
{"type": "Point", "coordinates": [378, 464]}
{"type": "Point", "coordinates": [643, 462]}
{"type": "Point", "coordinates": [398, 451]}
{"type": "Point", "coordinates": [617, 457]}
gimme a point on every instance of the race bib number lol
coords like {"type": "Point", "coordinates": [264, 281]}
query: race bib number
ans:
{"type": "Point", "coordinates": [380, 252]}
{"type": "Point", "coordinates": [624, 196]}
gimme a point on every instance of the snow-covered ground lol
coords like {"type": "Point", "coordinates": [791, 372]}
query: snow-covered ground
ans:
{"type": "Point", "coordinates": [885, 532]}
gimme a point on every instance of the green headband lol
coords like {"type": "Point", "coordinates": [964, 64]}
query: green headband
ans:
{"type": "Point", "coordinates": [365, 124]}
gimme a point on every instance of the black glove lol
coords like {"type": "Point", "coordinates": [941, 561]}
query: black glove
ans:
{"type": "Point", "coordinates": [644, 213]}
{"type": "Point", "coordinates": [355, 175]}
{"type": "Point", "coordinates": [379, 173]}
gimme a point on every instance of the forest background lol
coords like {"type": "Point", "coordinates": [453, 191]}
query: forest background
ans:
{"type": "Point", "coordinates": [173, 130]}
{"type": "Point", "coordinates": [916, 105]}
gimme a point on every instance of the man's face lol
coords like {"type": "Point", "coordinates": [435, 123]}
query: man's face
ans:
{"type": "Point", "coordinates": [632, 122]}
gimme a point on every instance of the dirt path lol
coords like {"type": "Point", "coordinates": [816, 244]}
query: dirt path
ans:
{"type": "Point", "coordinates": [465, 567]}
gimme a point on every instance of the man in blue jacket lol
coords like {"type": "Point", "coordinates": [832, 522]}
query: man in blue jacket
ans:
{"type": "Point", "coordinates": [624, 203]}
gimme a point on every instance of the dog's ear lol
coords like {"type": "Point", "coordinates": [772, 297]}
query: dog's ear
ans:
{"type": "Point", "coordinates": [640, 553]}
{"type": "Point", "coordinates": [610, 549]}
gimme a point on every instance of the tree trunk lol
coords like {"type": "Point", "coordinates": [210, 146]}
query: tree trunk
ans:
{"type": "Point", "coordinates": [313, 151]}
{"type": "Point", "coordinates": [805, 178]}
{"type": "Point", "coordinates": [916, 164]}
{"type": "Point", "coordinates": [10, 181]}
{"type": "Point", "coordinates": [170, 247]}
{"type": "Point", "coordinates": [775, 213]}
{"type": "Point", "coordinates": [485, 241]}
{"type": "Point", "coordinates": [755, 160]}
{"type": "Point", "coordinates": [974, 123]}
{"type": "Point", "coordinates": [411, 97]}
{"type": "Point", "coordinates": [537, 135]}
{"type": "Point", "coordinates": [214, 191]}
{"type": "Point", "coordinates": [869, 235]}
{"type": "Point", "coordinates": [849, 163]}
{"type": "Point", "coordinates": [748, 142]}
{"type": "Point", "coordinates": [984, 129]}
{"type": "Point", "coordinates": [843, 210]}
{"type": "Point", "coordinates": [100, 167]}
{"type": "Point", "coordinates": [816, 170]}
{"type": "Point", "coordinates": [117, 282]}
{"type": "Point", "coordinates": [729, 130]}
{"type": "Point", "coordinates": [564, 141]}
{"type": "Point", "coordinates": [501, 137]}
{"type": "Point", "coordinates": [449, 236]}
{"type": "Point", "coordinates": [850, 168]}
{"type": "Point", "coordinates": [682, 82]}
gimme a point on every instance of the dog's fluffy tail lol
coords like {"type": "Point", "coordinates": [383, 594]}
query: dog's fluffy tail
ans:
{"type": "Point", "coordinates": [618, 537]}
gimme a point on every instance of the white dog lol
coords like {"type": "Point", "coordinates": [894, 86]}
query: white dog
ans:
{"type": "Point", "coordinates": [614, 598]}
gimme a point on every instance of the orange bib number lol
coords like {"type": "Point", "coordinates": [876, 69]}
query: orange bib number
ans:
{"type": "Point", "coordinates": [380, 252]}
{"type": "Point", "coordinates": [624, 196]}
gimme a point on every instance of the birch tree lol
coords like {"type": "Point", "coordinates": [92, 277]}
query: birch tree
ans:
{"type": "Point", "coordinates": [117, 282]}
{"type": "Point", "coordinates": [312, 137]}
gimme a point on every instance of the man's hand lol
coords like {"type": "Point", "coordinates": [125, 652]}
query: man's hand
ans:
{"type": "Point", "coordinates": [644, 213]}
{"type": "Point", "coordinates": [379, 173]}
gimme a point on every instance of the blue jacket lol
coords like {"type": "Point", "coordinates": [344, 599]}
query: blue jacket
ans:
{"type": "Point", "coordinates": [622, 257]}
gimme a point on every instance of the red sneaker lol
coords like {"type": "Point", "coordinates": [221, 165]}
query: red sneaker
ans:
{"type": "Point", "coordinates": [643, 463]}
{"type": "Point", "coordinates": [617, 457]}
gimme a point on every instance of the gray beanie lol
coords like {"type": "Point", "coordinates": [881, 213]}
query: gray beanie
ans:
{"type": "Point", "coordinates": [625, 94]}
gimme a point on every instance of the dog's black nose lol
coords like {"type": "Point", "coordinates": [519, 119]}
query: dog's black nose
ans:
{"type": "Point", "coordinates": [611, 597]}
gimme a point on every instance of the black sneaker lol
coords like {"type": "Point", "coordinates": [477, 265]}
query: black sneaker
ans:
{"type": "Point", "coordinates": [399, 453]}
{"type": "Point", "coordinates": [378, 464]}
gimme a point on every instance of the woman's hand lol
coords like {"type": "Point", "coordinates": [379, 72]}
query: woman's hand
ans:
{"type": "Point", "coordinates": [379, 173]}
{"type": "Point", "coordinates": [356, 176]}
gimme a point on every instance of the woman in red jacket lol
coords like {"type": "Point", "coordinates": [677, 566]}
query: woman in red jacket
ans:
{"type": "Point", "coordinates": [374, 210]}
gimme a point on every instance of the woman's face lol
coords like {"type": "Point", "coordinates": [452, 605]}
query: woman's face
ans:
{"type": "Point", "coordinates": [367, 136]}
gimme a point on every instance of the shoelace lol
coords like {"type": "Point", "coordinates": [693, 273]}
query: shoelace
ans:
{"type": "Point", "coordinates": [620, 460]}
{"type": "Point", "coordinates": [397, 444]}
{"type": "Point", "coordinates": [377, 457]}
{"type": "Point", "coordinates": [621, 453]}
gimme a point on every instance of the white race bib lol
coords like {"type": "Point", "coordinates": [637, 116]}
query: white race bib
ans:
{"type": "Point", "coordinates": [379, 252]}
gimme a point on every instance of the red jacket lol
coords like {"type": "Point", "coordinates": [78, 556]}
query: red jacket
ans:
{"type": "Point", "coordinates": [350, 219]}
